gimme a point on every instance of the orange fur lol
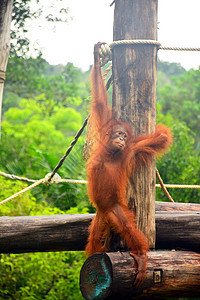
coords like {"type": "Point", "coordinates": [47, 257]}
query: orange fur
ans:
{"type": "Point", "coordinates": [108, 174]}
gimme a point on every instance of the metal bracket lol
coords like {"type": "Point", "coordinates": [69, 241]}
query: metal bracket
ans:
{"type": "Point", "coordinates": [157, 276]}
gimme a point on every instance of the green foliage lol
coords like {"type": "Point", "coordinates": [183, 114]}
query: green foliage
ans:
{"type": "Point", "coordinates": [181, 100]}
{"type": "Point", "coordinates": [170, 69]}
{"type": "Point", "coordinates": [23, 75]}
{"type": "Point", "coordinates": [66, 120]}
{"type": "Point", "coordinates": [36, 275]}
{"type": "Point", "coordinates": [20, 143]}
{"type": "Point", "coordinates": [35, 135]}
{"type": "Point", "coordinates": [23, 205]}
{"type": "Point", "coordinates": [12, 100]}
{"type": "Point", "coordinates": [21, 12]}
{"type": "Point", "coordinates": [163, 79]}
{"type": "Point", "coordinates": [60, 88]}
{"type": "Point", "coordinates": [66, 195]}
{"type": "Point", "coordinates": [32, 144]}
{"type": "Point", "coordinates": [41, 276]}
{"type": "Point", "coordinates": [181, 164]}
{"type": "Point", "coordinates": [166, 72]}
{"type": "Point", "coordinates": [27, 78]}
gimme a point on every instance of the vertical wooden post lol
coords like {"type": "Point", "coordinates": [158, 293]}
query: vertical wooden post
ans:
{"type": "Point", "coordinates": [134, 95]}
{"type": "Point", "coordinates": [5, 21]}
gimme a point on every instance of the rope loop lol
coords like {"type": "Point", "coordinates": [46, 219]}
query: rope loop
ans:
{"type": "Point", "coordinates": [105, 54]}
{"type": "Point", "coordinates": [105, 51]}
{"type": "Point", "coordinates": [48, 180]}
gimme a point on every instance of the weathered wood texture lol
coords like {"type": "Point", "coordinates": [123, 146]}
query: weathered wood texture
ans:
{"type": "Point", "coordinates": [168, 206]}
{"type": "Point", "coordinates": [5, 21]}
{"type": "Point", "coordinates": [170, 274]}
{"type": "Point", "coordinates": [70, 232]}
{"type": "Point", "coordinates": [134, 95]}
{"type": "Point", "coordinates": [178, 229]}
{"type": "Point", "coordinates": [43, 233]}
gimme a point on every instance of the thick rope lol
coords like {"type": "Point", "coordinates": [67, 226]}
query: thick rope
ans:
{"type": "Point", "coordinates": [179, 186]}
{"type": "Point", "coordinates": [105, 54]}
{"type": "Point", "coordinates": [73, 181]}
{"type": "Point", "coordinates": [169, 186]}
{"type": "Point", "coordinates": [23, 191]}
{"type": "Point", "coordinates": [106, 50]}
{"type": "Point", "coordinates": [14, 177]}
{"type": "Point", "coordinates": [135, 42]}
{"type": "Point", "coordinates": [178, 48]}
{"type": "Point", "coordinates": [152, 42]}
{"type": "Point", "coordinates": [56, 179]}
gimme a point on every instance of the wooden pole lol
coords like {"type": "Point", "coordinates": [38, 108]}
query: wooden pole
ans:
{"type": "Point", "coordinates": [5, 21]}
{"type": "Point", "coordinates": [70, 232]}
{"type": "Point", "coordinates": [134, 95]}
{"type": "Point", "coordinates": [169, 274]}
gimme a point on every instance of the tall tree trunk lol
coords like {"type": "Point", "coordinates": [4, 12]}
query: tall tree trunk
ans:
{"type": "Point", "coordinates": [5, 21]}
{"type": "Point", "coordinates": [134, 95]}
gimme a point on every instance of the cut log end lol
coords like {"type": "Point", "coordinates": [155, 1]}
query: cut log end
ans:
{"type": "Point", "coordinates": [96, 277]}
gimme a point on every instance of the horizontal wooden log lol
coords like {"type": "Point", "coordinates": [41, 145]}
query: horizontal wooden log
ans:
{"type": "Point", "coordinates": [178, 230]}
{"type": "Point", "coordinates": [70, 232]}
{"type": "Point", "coordinates": [43, 233]}
{"type": "Point", "coordinates": [169, 274]}
{"type": "Point", "coordinates": [169, 206]}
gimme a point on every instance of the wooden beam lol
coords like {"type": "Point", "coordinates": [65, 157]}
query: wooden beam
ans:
{"type": "Point", "coordinates": [178, 229]}
{"type": "Point", "coordinates": [169, 206]}
{"type": "Point", "coordinates": [70, 232]}
{"type": "Point", "coordinates": [170, 274]}
{"type": "Point", "coordinates": [43, 233]}
{"type": "Point", "coordinates": [134, 95]}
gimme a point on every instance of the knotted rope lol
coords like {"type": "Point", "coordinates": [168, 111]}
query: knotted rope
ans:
{"type": "Point", "coordinates": [106, 50]}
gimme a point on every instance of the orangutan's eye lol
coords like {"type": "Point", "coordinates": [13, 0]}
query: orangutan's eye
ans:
{"type": "Point", "coordinates": [118, 133]}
